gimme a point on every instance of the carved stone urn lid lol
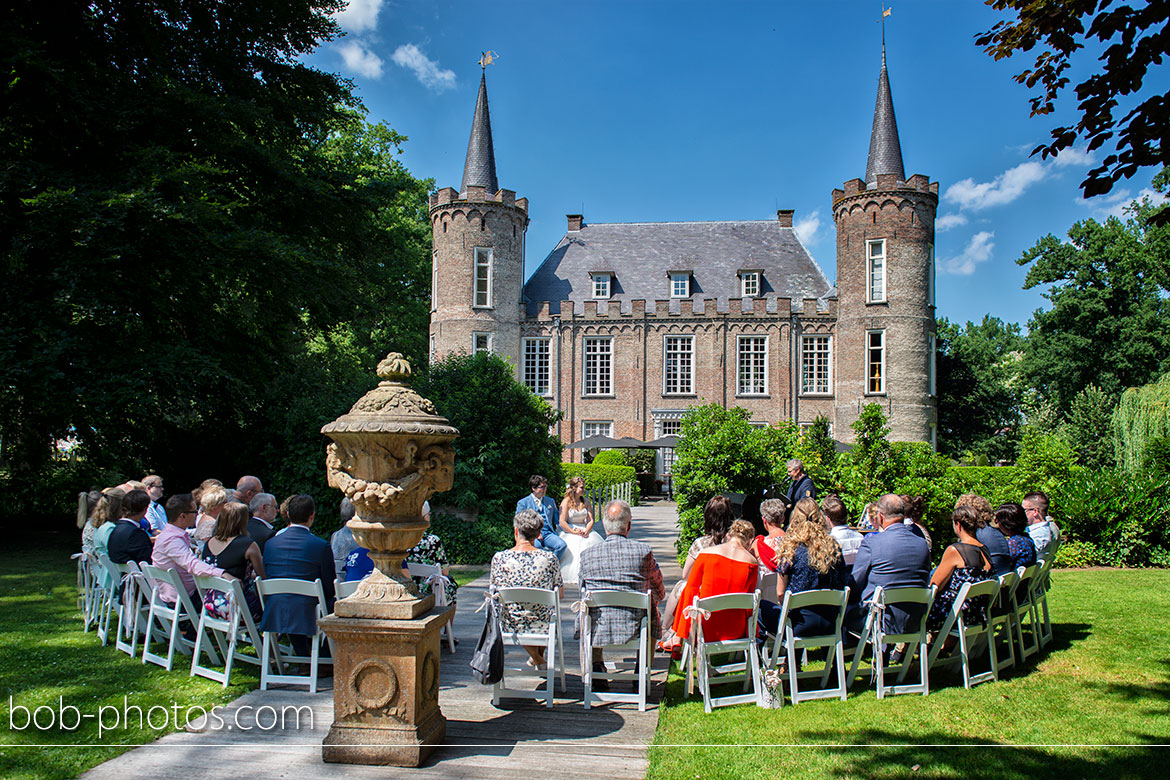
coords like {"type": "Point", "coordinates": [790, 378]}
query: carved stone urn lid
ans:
{"type": "Point", "coordinates": [392, 407]}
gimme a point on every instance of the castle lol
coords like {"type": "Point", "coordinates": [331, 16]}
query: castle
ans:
{"type": "Point", "coordinates": [626, 325]}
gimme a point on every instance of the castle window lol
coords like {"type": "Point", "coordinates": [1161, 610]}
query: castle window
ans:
{"type": "Point", "coordinates": [816, 365]}
{"type": "Point", "coordinates": [601, 285]}
{"type": "Point", "coordinates": [680, 284]}
{"type": "Point", "coordinates": [598, 373]}
{"type": "Point", "coordinates": [752, 363]}
{"type": "Point", "coordinates": [875, 361]}
{"type": "Point", "coordinates": [930, 277]}
{"type": "Point", "coordinates": [678, 365]}
{"type": "Point", "coordinates": [435, 282]}
{"type": "Point", "coordinates": [749, 284]}
{"type": "Point", "coordinates": [596, 428]}
{"type": "Point", "coordinates": [431, 355]}
{"type": "Point", "coordinates": [481, 342]}
{"type": "Point", "coordinates": [932, 346]}
{"type": "Point", "coordinates": [483, 277]}
{"type": "Point", "coordinates": [875, 267]}
{"type": "Point", "coordinates": [536, 365]}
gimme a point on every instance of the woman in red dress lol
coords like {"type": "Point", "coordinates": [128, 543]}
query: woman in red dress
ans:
{"type": "Point", "coordinates": [765, 547]}
{"type": "Point", "coordinates": [729, 567]}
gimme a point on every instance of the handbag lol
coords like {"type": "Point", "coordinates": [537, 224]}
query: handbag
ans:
{"type": "Point", "coordinates": [487, 662]}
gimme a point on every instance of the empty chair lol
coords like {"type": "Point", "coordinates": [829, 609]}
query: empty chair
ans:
{"type": "Point", "coordinates": [228, 634]}
{"type": "Point", "coordinates": [433, 575]}
{"type": "Point", "coordinates": [698, 652]}
{"type": "Point", "coordinates": [550, 638]}
{"type": "Point", "coordinates": [915, 637]}
{"type": "Point", "coordinates": [273, 652]}
{"type": "Point", "coordinates": [834, 642]}
{"type": "Point", "coordinates": [638, 670]}
{"type": "Point", "coordinates": [968, 635]}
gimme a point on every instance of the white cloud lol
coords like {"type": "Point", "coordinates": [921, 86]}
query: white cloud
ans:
{"type": "Point", "coordinates": [1073, 156]}
{"type": "Point", "coordinates": [360, 59]}
{"type": "Point", "coordinates": [1115, 203]}
{"type": "Point", "coordinates": [426, 70]}
{"type": "Point", "coordinates": [360, 15]}
{"type": "Point", "coordinates": [948, 221]}
{"type": "Point", "coordinates": [807, 228]}
{"type": "Point", "coordinates": [978, 250]}
{"type": "Point", "coordinates": [1004, 189]}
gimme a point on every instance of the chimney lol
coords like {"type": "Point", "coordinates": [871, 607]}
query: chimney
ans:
{"type": "Point", "coordinates": [785, 217]}
{"type": "Point", "coordinates": [576, 221]}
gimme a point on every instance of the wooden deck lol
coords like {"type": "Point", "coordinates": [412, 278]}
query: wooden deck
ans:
{"type": "Point", "coordinates": [520, 737]}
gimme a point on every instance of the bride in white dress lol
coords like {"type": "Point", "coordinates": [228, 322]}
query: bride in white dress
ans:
{"type": "Point", "coordinates": [576, 528]}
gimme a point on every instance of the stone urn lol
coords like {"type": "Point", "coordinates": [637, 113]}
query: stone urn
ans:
{"type": "Point", "coordinates": [389, 453]}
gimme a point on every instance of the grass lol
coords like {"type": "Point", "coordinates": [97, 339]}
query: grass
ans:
{"type": "Point", "coordinates": [47, 660]}
{"type": "Point", "coordinates": [1104, 680]}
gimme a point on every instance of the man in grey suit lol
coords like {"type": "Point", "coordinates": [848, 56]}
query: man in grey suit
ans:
{"type": "Point", "coordinates": [619, 563]}
{"type": "Point", "coordinates": [893, 557]}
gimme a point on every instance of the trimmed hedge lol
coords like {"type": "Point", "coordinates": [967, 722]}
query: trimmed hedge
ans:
{"type": "Point", "coordinates": [602, 476]}
{"type": "Point", "coordinates": [472, 543]}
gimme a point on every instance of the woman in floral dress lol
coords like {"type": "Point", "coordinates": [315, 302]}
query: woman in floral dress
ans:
{"type": "Point", "coordinates": [430, 551]}
{"type": "Point", "coordinates": [526, 566]}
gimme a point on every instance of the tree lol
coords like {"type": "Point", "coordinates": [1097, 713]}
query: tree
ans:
{"type": "Point", "coordinates": [869, 468]}
{"type": "Point", "coordinates": [1141, 422]}
{"type": "Point", "coordinates": [1109, 323]}
{"type": "Point", "coordinates": [818, 452]}
{"type": "Point", "coordinates": [1134, 38]}
{"type": "Point", "coordinates": [193, 218]}
{"type": "Point", "coordinates": [1089, 428]}
{"type": "Point", "coordinates": [978, 387]}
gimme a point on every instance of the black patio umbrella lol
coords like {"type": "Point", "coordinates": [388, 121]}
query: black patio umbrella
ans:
{"type": "Point", "coordinates": [594, 442]}
{"type": "Point", "coordinates": [666, 442]}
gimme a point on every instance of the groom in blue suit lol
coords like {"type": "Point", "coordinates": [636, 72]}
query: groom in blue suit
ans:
{"type": "Point", "coordinates": [546, 508]}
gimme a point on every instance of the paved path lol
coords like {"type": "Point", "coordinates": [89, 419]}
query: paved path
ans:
{"type": "Point", "coordinates": [519, 737]}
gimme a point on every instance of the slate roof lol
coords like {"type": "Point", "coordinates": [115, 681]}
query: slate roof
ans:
{"type": "Point", "coordinates": [479, 169]}
{"type": "Point", "coordinates": [885, 150]}
{"type": "Point", "coordinates": [642, 254]}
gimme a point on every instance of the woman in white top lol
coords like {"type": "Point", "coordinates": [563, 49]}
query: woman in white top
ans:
{"type": "Point", "coordinates": [576, 527]}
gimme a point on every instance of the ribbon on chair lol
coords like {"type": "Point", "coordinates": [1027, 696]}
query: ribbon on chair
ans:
{"type": "Point", "coordinates": [584, 652]}
{"type": "Point", "coordinates": [129, 584]}
{"type": "Point", "coordinates": [437, 583]}
{"type": "Point", "coordinates": [488, 598]}
{"type": "Point", "coordinates": [696, 615]}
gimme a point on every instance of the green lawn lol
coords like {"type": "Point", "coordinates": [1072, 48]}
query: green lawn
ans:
{"type": "Point", "coordinates": [1104, 680]}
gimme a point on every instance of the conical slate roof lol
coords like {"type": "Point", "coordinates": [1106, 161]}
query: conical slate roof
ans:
{"type": "Point", "coordinates": [885, 151]}
{"type": "Point", "coordinates": [479, 170]}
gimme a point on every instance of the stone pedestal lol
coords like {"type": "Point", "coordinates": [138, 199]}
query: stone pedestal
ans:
{"type": "Point", "coordinates": [385, 690]}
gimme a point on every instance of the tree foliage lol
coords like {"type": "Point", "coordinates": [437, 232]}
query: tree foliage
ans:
{"type": "Point", "coordinates": [1109, 321]}
{"type": "Point", "coordinates": [868, 469]}
{"type": "Point", "coordinates": [1089, 428]}
{"type": "Point", "coordinates": [1141, 419]}
{"type": "Point", "coordinates": [979, 393]}
{"type": "Point", "coordinates": [817, 450]}
{"type": "Point", "coordinates": [206, 248]}
{"type": "Point", "coordinates": [1134, 39]}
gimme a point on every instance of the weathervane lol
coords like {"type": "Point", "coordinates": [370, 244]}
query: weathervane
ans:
{"type": "Point", "coordinates": [885, 12]}
{"type": "Point", "coordinates": [487, 58]}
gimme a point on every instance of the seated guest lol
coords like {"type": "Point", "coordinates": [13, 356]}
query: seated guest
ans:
{"type": "Point", "coordinates": [247, 488]}
{"type": "Point", "coordinates": [619, 563]}
{"type": "Point", "coordinates": [232, 550]}
{"type": "Point", "coordinates": [717, 519]}
{"type": "Point", "coordinates": [964, 561]}
{"type": "Point", "coordinates": [298, 554]}
{"type": "Point", "coordinates": [127, 541]}
{"type": "Point", "coordinates": [342, 541]}
{"type": "Point", "coordinates": [263, 509]}
{"type": "Point", "coordinates": [728, 567]}
{"type": "Point", "coordinates": [429, 550]}
{"type": "Point", "coordinates": [893, 557]}
{"type": "Point", "coordinates": [106, 514]}
{"type": "Point", "coordinates": [915, 511]}
{"type": "Point", "coordinates": [211, 503]}
{"type": "Point", "coordinates": [837, 517]}
{"type": "Point", "coordinates": [172, 549]}
{"type": "Point", "coordinates": [527, 566]}
{"type": "Point", "coordinates": [135, 506]}
{"type": "Point", "coordinates": [989, 536]}
{"type": "Point", "coordinates": [86, 503]}
{"type": "Point", "coordinates": [1013, 524]}
{"type": "Point", "coordinates": [810, 559]}
{"type": "Point", "coordinates": [156, 515]}
{"type": "Point", "coordinates": [765, 547]}
{"type": "Point", "coordinates": [1043, 530]}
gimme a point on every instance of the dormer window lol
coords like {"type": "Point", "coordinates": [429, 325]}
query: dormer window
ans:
{"type": "Point", "coordinates": [680, 284]}
{"type": "Point", "coordinates": [749, 284]}
{"type": "Point", "coordinates": [601, 285]}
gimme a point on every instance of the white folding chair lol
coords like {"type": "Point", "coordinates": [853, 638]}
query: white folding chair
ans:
{"type": "Point", "coordinates": [698, 651]}
{"type": "Point", "coordinates": [1024, 608]}
{"type": "Point", "coordinates": [229, 635]}
{"type": "Point", "coordinates": [968, 637]}
{"type": "Point", "coordinates": [344, 589]}
{"type": "Point", "coordinates": [108, 578]}
{"type": "Point", "coordinates": [91, 591]}
{"type": "Point", "coordinates": [272, 650]}
{"type": "Point", "coordinates": [433, 575]}
{"type": "Point", "coordinates": [915, 638]}
{"type": "Point", "coordinates": [552, 640]}
{"type": "Point", "coordinates": [637, 671]}
{"type": "Point", "coordinates": [164, 620]}
{"type": "Point", "coordinates": [1040, 595]}
{"type": "Point", "coordinates": [1002, 617]}
{"type": "Point", "coordinates": [131, 609]}
{"type": "Point", "coordinates": [835, 642]}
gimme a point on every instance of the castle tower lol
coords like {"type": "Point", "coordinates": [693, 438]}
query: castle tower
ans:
{"type": "Point", "coordinates": [477, 262]}
{"type": "Point", "coordinates": [885, 287]}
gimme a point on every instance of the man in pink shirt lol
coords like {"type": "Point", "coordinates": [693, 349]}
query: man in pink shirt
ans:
{"type": "Point", "coordinates": [172, 548]}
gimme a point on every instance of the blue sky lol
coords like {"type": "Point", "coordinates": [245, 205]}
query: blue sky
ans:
{"type": "Point", "coordinates": [649, 110]}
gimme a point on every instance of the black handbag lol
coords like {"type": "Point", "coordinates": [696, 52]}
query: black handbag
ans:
{"type": "Point", "coordinates": [487, 662]}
